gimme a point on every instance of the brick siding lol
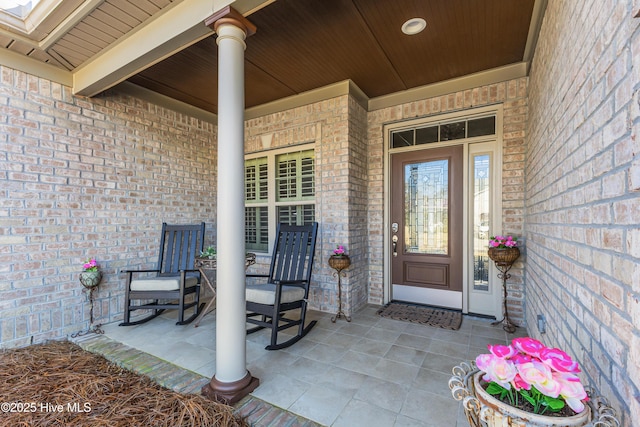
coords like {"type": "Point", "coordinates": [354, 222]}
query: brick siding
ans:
{"type": "Point", "coordinates": [337, 128]}
{"type": "Point", "coordinates": [105, 172]}
{"type": "Point", "coordinates": [582, 205]}
{"type": "Point", "coordinates": [97, 177]}
{"type": "Point", "coordinates": [88, 178]}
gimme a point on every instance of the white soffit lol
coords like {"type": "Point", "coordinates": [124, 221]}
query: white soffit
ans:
{"type": "Point", "coordinates": [175, 28]}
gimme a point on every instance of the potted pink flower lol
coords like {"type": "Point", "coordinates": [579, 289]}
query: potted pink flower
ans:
{"type": "Point", "coordinates": [90, 265]}
{"type": "Point", "coordinates": [504, 249]}
{"type": "Point", "coordinates": [91, 274]}
{"type": "Point", "coordinates": [527, 384]}
{"type": "Point", "coordinates": [527, 373]}
{"type": "Point", "coordinates": [339, 260]}
{"type": "Point", "coordinates": [502, 242]}
{"type": "Point", "coordinates": [339, 251]}
{"type": "Point", "coordinates": [523, 384]}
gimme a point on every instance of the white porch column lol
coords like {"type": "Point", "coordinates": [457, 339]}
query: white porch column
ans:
{"type": "Point", "coordinates": [231, 381]}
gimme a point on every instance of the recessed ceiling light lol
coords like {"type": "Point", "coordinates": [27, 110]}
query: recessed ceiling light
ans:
{"type": "Point", "coordinates": [414, 26]}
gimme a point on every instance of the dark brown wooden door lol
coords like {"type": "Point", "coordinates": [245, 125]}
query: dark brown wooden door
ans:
{"type": "Point", "coordinates": [426, 226]}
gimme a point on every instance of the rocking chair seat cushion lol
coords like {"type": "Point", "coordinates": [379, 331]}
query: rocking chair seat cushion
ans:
{"type": "Point", "coordinates": [171, 283]}
{"type": "Point", "coordinates": [266, 294]}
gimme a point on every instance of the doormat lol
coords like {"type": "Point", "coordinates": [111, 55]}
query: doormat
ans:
{"type": "Point", "coordinates": [439, 318]}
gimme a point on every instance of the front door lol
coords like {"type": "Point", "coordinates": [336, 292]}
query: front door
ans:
{"type": "Point", "coordinates": [427, 226]}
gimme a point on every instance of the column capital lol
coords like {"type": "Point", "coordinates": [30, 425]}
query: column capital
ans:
{"type": "Point", "coordinates": [229, 15]}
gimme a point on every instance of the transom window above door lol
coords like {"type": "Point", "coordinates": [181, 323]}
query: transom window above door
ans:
{"type": "Point", "coordinates": [438, 132]}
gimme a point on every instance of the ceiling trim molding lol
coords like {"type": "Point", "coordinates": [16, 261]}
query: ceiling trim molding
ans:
{"type": "Point", "coordinates": [335, 90]}
{"type": "Point", "coordinates": [35, 67]}
{"type": "Point", "coordinates": [539, 9]}
{"type": "Point", "coordinates": [346, 87]}
{"type": "Point", "coordinates": [131, 89]}
{"type": "Point", "coordinates": [358, 94]}
{"type": "Point", "coordinates": [483, 78]}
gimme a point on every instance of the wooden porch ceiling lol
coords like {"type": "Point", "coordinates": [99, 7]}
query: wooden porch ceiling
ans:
{"type": "Point", "coordinates": [300, 45]}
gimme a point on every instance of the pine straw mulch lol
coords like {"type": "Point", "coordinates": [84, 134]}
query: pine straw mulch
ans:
{"type": "Point", "coordinates": [104, 394]}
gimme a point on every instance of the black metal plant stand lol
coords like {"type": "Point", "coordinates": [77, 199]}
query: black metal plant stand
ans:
{"type": "Point", "coordinates": [504, 259]}
{"type": "Point", "coordinates": [90, 283]}
{"type": "Point", "coordinates": [339, 264]}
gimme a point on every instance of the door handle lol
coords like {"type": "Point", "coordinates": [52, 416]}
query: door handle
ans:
{"type": "Point", "coordinates": [394, 240]}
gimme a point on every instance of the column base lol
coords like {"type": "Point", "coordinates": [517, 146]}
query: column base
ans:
{"type": "Point", "coordinates": [230, 393]}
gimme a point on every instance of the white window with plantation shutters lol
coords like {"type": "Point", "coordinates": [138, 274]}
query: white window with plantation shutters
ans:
{"type": "Point", "coordinates": [256, 184]}
{"type": "Point", "coordinates": [279, 187]}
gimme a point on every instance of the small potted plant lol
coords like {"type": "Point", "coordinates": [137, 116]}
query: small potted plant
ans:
{"type": "Point", "coordinates": [91, 274]}
{"type": "Point", "coordinates": [209, 252]}
{"type": "Point", "coordinates": [339, 260]}
{"type": "Point", "coordinates": [504, 249]}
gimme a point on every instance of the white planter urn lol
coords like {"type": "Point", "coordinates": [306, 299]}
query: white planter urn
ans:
{"type": "Point", "coordinates": [484, 410]}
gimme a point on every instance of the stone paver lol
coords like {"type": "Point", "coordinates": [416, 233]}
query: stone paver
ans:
{"type": "Point", "coordinates": [255, 411]}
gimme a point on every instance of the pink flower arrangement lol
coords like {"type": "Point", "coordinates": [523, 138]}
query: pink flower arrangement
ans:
{"type": "Point", "coordinates": [90, 265]}
{"type": "Point", "coordinates": [339, 251]}
{"type": "Point", "coordinates": [503, 242]}
{"type": "Point", "coordinates": [545, 377]}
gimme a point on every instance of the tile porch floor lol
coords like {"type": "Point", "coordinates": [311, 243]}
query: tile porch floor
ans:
{"type": "Point", "coordinates": [370, 372]}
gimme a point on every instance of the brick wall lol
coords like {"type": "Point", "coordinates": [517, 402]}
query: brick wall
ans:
{"type": "Point", "coordinates": [96, 177]}
{"type": "Point", "coordinates": [582, 193]}
{"type": "Point", "coordinates": [357, 277]}
{"type": "Point", "coordinates": [513, 96]}
{"type": "Point", "coordinates": [336, 127]}
{"type": "Point", "coordinates": [88, 178]}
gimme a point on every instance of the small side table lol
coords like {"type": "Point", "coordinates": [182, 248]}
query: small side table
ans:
{"type": "Point", "coordinates": [340, 263]}
{"type": "Point", "coordinates": [205, 265]}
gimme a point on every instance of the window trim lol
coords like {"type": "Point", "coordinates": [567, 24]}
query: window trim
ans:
{"type": "Point", "coordinates": [272, 202]}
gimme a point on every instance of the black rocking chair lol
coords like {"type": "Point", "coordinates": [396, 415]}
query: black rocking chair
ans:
{"type": "Point", "coordinates": [175, 277]}
{"type": "Point", "coordinates": [287, 286]}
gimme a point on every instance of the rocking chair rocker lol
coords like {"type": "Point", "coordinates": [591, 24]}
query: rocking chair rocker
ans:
{"type": "Point", "coordinates": [175, 277]}
{"type": "Point", "coordinates": [287, 286]}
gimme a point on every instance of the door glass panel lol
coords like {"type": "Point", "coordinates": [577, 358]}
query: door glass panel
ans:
{"type": "Point", "coordinates": [481, 221]}
{"type": "Point", "coordinates": [426, 198]}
